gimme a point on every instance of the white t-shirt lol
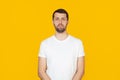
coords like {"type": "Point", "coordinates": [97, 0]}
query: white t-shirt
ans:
{"type": "Point", "coordinates": [61, 56]}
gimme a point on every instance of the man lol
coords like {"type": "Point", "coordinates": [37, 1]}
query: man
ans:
{"type": "Point", "coordinates": [61, 56]}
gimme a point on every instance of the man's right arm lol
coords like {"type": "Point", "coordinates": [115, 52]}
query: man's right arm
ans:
{"type": "Point", "coordinates": [42, 66]}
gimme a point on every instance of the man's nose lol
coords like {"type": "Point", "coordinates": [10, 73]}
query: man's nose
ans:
{"type": "Point", "coordinates": [60, 21]}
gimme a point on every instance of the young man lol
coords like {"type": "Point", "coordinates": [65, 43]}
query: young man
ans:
{"type": "Point", "coordinates": [61, 56]}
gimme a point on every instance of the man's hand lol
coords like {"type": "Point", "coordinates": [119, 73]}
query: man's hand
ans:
{"type": "Point", "coordinates": [80, 69]}
{"type": "Point", "coordinates": [42, 66]}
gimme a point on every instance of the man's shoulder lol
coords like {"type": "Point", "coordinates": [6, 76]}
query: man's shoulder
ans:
{"type": "Point", "coordinates": [76, 39]}
{"type": "Point", "coordinates": [47, 40]}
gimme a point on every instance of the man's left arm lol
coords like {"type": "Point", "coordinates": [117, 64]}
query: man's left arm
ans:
{"type": "Point", "coordinates": [80, 69]}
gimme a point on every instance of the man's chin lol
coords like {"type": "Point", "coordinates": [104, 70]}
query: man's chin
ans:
{"type": "Point", "coordinates": [60, 31]}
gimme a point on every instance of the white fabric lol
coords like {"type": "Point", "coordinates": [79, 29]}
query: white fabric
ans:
{"type": "Point", "coordinates": [61, 56]}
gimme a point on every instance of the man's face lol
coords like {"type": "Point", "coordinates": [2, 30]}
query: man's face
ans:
{"type": "Point", "coordinates": [60, 22]}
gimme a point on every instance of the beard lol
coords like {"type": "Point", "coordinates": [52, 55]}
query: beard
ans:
{"type": "Point", "coordinates": [60, 28]}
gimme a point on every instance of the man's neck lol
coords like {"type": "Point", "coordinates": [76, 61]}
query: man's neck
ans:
{"type": "Point", "coordinates": [61, 36]}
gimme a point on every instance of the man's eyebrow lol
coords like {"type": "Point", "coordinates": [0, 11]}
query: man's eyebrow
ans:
{"type": "Point", "coordinates": [57, 17]}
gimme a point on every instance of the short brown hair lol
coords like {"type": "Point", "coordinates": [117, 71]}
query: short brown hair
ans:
{"type": "Point", "coordinates": [61, 11]}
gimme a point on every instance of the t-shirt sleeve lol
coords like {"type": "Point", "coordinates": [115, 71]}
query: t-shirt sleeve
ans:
{"type": "Point", "coordinates": [80, 49]}
{"type": "Point", "coordinates": [42, 52]}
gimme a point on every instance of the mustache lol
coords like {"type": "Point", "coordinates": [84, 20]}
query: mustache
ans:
{"type": "Point", "coordinates": [60, 24]}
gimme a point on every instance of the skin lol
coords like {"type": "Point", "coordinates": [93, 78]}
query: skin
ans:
{"type": "Point", "coordinates": [60, 23]}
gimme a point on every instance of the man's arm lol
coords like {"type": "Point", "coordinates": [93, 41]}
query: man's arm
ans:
{"type": "Point", "coordinates": [42, 66]}
{"type": "Point", "coordinates": [80, 69]}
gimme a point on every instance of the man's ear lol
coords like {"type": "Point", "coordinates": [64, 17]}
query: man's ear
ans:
{"type": "Point", "coordinates": [67, 21]}
{"type": "Point", "coordinates": [52, 21]}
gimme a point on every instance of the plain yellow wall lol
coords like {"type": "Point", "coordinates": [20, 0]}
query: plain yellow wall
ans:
{"type": "Point", "coordinates": [25, 23]}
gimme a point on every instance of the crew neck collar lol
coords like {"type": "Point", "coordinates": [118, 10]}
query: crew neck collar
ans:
{"type": "Point", "coordinates": [61, 40]}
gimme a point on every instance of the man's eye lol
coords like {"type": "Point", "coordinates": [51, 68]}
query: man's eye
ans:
{"type": "Point", "coordinates": [64, 19]}
{"type": "Point", "coordinates": [56, 19]}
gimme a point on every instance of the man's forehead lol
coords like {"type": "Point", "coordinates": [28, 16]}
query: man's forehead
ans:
{"type": "Point", "coordinates": [60, 14]}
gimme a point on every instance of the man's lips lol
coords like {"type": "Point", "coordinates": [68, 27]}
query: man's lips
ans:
{"type": "Point", "coordinates": [60, 25]}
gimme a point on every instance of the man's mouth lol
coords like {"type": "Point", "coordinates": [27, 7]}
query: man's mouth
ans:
{"type": "Point", "coordinates": [60, 25]}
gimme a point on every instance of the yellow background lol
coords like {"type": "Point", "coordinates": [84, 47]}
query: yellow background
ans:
{"type": "Point", "coordinates": [25, 23]}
